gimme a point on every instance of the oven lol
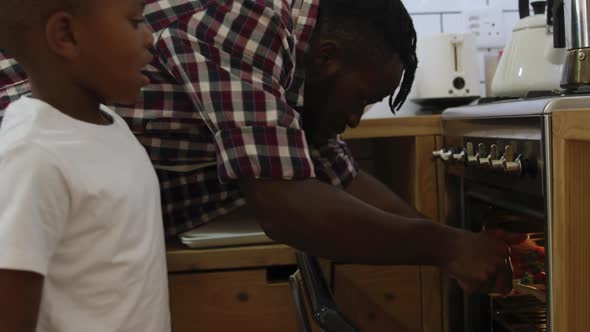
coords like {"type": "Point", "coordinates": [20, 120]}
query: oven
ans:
{"type": "Point", "coordinates": [497, 164]}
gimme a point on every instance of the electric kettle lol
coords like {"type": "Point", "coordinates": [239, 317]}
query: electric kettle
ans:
{"type": "Point", "coordinates": [530, 61]}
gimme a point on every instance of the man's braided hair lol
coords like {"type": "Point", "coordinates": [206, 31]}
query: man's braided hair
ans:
{"type": "Point", "coordinates": [374, 30]}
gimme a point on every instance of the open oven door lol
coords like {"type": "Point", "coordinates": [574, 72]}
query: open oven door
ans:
{"type": "Point", "coordinates": [324, 310]}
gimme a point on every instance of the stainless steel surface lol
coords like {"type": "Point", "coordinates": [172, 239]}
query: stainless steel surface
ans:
{"type": "Point", "coordinates": [513, 170]}
{"type": "Point", "coordinates": [513, 311]}
{"type": "Point", "coordinates": [508, 108]}
{"type": "Point", "coordinates": [548, 158]}
{"type": "Point", "coordinates": [300, 310]}
{"type": "Point", "coordinates": [580, 34]}
{"type": "Point", "coordinates": [576, 71]}
{"type": "Point", "coordinates": [520, 128]}
{"type": "Point", "coordinates": [519, 107]}
{"type": "Point", "coordinates": [323, 308]}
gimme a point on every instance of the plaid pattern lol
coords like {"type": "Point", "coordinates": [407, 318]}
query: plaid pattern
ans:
{"type": "Point", "coordinates": [13, 82]}
{"type": "Point", "coordinates": [225, 82]}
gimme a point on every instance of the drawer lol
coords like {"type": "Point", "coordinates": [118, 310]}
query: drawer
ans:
{"type": "Point", "coordinates": [243, 300]}
{"type": "Point", "coordinates": [380, 298]}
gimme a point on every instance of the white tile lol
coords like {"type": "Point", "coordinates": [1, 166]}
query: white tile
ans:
{"type": "Point", "coordinates": [481, 63]}
{"type": "Point", "coordinates": [492, 58]}
{"type": "Point", "coordinates": [475, 4]}
{"type": "Point", "coordinates": [454, 23]}
{"type": "Point", "coordinates": [427, 25]}
{"type": "Point", "coordinates": [382, 110]}
{"type": "Point", "coordinates": [487, 24]}
{"type": "Point", "coordinates": [434, 6]}
{"type": "Point", "coordinates": [482, 90]}
{"type": "Point", "coordinates": [504, 4]}
{"type": "Point", "coordinates": [509, 20]}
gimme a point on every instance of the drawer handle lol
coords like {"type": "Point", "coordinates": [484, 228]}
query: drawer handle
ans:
{"type": "Point", "coordinates": [280, 273]}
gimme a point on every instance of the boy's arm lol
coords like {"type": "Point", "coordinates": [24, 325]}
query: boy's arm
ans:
{"type": "Point", "coordinates": [19, 303]}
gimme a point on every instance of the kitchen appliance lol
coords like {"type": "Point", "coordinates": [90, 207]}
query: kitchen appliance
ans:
{"type": "Point", "coordinates": [448, 71]}
{"type": "Point", "coordinates": [498, 174]}
{"type": "Point", "coordinates": [530, 61]}
{"type": "Point", "coordinates": [309, 280]}
{"type": "Point", "coordinates": [574, 33]}
{"type": "Point", "coordinates": [236, 229]}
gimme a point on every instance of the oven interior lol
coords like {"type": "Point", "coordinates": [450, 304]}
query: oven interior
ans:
{"type": "Point", "coordinates": [480, 206]}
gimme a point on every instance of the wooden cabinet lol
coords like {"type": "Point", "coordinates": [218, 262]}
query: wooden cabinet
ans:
{"type": "Point", "coordinates": [397, 298]}
{"type": "Point", "coordinates": [231, 289]}
{"type": "Point", "coordinates": [380, 298]}
{"type": "Point", "coordinates": [245, 289]}
{"type": "Point", "coordinates": [571, 220]}
{"type": "Point", "coordinates": [243, 300]}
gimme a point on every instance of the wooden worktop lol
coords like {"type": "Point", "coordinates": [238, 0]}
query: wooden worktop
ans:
{"type": "Point", "coordinates": [423, 125]}
{"type": "Point", "coordinates": [181, 259]}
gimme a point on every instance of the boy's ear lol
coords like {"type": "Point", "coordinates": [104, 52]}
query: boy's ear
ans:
{"type": "Point", "coordinates": [327, 59]}
{"type": "Point", "coordinates": [60, 35]}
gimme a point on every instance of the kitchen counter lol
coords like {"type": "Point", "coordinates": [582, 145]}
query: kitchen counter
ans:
{"type": "Point", "coordinates": [183, 259]}
{"type": "Point", "coordinates": [423, 125]}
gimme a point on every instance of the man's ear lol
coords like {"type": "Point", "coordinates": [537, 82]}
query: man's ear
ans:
{"type": "Point", "coordinates": [60, 35]}
{"type": "Point", "coordinates": [327, 59]}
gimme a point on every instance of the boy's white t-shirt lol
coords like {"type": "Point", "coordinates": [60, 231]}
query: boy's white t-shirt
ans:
{"type": "Point", "coordinates": [80, 205]}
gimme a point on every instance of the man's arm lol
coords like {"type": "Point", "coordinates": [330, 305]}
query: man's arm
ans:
{"type": "Point", "coordinates": [328, 222]}
{"type": "Point", "coordinates": [19, 303]}
{"type": "Point", "coordinates": [373, 192]}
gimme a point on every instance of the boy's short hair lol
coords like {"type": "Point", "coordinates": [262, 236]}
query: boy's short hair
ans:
{"type": "Point", "coordinates": [17, 17]}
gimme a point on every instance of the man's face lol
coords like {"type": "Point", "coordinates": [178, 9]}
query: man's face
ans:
{"type": "Point", "coordinates": [339, 100]}
{"type": "Point", "coordinates": [114, 45]}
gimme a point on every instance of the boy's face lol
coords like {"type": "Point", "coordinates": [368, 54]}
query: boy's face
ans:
{"type": "Point", "coordinates": [114, 45]}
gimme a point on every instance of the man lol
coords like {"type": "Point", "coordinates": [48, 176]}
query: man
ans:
{"type": "Point", "coordinates": [246, 102]}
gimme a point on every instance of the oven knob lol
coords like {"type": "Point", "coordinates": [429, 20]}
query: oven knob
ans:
{"type": "Point", "coordinates": [443, 154]}
{"type": "Point", "coordinates": [495, 162]}
{"type": "Point", "coordinates": [471, 157]}
{"type": "Point", "coordinates": [436, 154]}
{"type": "Point", "coordinates": [511, 166]}
{"type": "Point", "coordinates": [459, 156]}
{"type": "Point", "coordinates": [484, 161]}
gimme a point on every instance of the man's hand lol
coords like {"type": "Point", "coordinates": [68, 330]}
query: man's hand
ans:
{"type": "Point", "coordinates": [327, 222]}
{"type": "Point", "coordinates": [481, 263]}
{"type": "Point", "coordinates": [20, 299]}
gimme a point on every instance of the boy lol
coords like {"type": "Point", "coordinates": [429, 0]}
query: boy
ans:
{"type": "Point", "coordinates": [81, 238]}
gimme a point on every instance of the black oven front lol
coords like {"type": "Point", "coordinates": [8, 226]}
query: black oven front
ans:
{"type": "Point", "coordinates": [497, 179]}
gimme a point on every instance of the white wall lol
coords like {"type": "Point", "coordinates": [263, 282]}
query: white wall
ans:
{"type": "Point", "coordinates": [447, 16]}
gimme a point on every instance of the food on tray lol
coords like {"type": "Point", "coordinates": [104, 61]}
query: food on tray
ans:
{"type": "Point", "coordinates": [529, 266]}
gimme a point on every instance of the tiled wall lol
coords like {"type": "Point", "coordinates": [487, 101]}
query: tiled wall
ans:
{"type": "Point", "coordinates": [447, 16]}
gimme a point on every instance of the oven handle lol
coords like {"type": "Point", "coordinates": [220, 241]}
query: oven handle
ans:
{"type": "Point", "coordinates": [494, 201]}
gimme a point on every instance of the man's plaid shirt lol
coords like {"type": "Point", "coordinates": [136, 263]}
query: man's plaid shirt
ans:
{"type": "Point", "coordinates": [225, 81]}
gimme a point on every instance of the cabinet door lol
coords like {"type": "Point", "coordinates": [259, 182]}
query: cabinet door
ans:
{"type": "Point", "coordinates": [233, 301]}
{"type": "Point", "coordinates": [380, 298]}
{"type": "Point", "coordinates": [570, 249]}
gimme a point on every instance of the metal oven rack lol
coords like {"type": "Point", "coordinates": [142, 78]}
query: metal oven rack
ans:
{"type": "Point", "coordinates": [519, 313]}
